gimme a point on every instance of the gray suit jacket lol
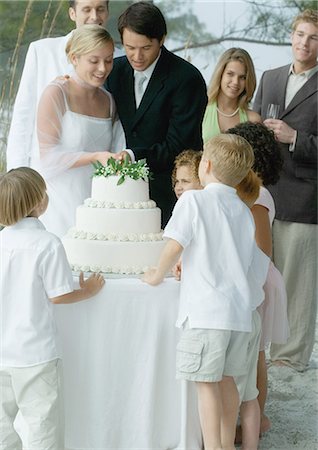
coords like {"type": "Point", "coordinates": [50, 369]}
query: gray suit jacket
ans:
{"type": "Point", "coordinates": [295, 194]}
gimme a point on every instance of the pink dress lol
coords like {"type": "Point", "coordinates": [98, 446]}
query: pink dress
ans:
{"type": "Point", "coordinates": [273, 310]}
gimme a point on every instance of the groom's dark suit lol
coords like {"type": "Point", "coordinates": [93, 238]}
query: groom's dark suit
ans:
{"type": "Point", "coordinates": [167, 121]}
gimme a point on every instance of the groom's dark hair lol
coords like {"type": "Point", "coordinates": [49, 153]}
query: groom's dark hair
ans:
{"type": "Point", "coordinates": [143, 18]}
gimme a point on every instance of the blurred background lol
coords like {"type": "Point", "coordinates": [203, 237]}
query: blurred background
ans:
{"type": "Point", "coordinates": [198, 30]}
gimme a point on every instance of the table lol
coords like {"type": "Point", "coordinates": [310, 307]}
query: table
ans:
{"type": "Point", "coordinates": [119, 371]}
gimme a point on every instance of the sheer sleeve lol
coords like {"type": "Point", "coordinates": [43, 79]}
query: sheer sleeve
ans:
{"type": "Point", "coordinates": [54, 158]}
{"type": "Point", "coordinates": [119, 139]}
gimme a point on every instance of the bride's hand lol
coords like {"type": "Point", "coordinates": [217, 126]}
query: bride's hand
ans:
{"type": "Point", "coordinates": [103, 157]}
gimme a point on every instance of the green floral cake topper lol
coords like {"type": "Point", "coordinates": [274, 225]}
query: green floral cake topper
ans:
{"type": "Point", "coordinates": [123, 168]}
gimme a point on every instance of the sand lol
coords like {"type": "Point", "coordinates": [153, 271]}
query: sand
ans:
{"type": "Point", "coordinates": [292, 407]}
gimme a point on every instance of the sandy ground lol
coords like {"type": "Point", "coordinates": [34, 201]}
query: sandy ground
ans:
{"type": "Point", "coordinates": [292, 407]}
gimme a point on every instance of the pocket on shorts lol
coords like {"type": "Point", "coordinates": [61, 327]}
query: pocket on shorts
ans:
{"type": "Point", "coordinates": [49, 374]}
{"type": "Point", "coordinates": [189, 356]}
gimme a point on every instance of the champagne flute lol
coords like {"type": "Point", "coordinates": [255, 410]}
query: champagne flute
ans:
{"type": "Point", "coordinates": [272, 111]}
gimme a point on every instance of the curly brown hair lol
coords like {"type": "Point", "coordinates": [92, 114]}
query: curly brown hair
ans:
{"type": "Point", "coordinates": [188, 158]}
{"type": "Point", "coordinates": [268, 161]}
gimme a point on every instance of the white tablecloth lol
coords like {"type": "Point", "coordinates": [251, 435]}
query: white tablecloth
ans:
{"type": "Point", "coordinates": [119, 371]}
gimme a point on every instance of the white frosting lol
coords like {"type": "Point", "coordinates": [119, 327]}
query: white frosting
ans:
{"type": "Point", "coordinates": [127, 237]}
{"type": "Point", "coordinates": [125, 270]}
{"type": "Point", "coordinates": [118, 221]}
{"type": "Point", "coordinates": [118, 230]}
{"type": "Point", "coordinates": [92, 203]}
{"type": "Point", "coordinates": [107, 189]}
{"type": "Point", "coordinates": [111, 256]}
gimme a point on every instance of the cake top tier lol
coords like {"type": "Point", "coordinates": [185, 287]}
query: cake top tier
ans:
{"type": "Point", "coordinates": [123, 169]}
{"type": "Point", "coordinates": [121, 181]}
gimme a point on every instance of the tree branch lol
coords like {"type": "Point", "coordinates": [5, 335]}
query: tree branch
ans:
{"type": "Point", "coordinates": [230, 38]}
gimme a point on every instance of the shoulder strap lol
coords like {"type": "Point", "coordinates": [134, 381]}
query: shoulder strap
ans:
{"type": "Point", "coordinates": [61, 86]}
{"type": "Point", "coordinates": [112, 106]}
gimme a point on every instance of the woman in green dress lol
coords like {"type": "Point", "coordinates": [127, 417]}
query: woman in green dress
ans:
{"type": "Point", "coordinates": [230, 91]}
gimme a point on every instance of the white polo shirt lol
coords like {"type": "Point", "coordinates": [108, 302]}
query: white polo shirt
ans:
{"type": "Point", "coordinates": [216, 230]}
{"type": "Point", "coordinates": [33, 268]}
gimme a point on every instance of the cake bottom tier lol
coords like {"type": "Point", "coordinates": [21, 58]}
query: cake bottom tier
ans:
{"type": "Point", "coordinates": [112, 257]}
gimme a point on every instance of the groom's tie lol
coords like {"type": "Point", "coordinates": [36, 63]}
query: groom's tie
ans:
{"type": "Point", "coordinates": [140, 79]}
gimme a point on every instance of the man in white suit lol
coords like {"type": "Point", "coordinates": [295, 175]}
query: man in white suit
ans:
{"type": "Point", "coordinates": [45, 60]}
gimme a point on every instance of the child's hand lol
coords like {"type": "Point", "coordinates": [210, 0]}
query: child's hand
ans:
{"type": "Point", "coordinates": [176, 271]}
{"type": "Point", "coordinates": [92, 285]}
{"type": "Point", "coordinates": [152, 277]}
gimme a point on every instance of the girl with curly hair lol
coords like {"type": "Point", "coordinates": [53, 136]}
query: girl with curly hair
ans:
{"type": "Point", "coordinates": [268, 163]}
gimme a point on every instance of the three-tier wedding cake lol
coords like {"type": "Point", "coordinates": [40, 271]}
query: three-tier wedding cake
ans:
{"type": "Point", "coordinates": [118, 229]}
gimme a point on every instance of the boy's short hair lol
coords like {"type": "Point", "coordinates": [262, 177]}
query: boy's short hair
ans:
{"type": "Point", "coordinates": [21, 191]}
{"type": "Point", "coordinates": [248, 189]}
{"type": "Point", "coordinates": [231, 156]}
{"type": "Point", "coordinates": [187, 158]}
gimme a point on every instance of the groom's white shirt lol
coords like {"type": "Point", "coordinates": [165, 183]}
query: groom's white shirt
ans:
{"type": "Point", "coordinates": [45, 60]}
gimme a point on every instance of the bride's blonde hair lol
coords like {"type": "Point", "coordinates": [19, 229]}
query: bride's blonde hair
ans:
{"type": "Point", "coordinates": [87, 38]}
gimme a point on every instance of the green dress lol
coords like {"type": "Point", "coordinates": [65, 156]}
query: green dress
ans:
{"type": "Point", "coordinates": [210, 125]}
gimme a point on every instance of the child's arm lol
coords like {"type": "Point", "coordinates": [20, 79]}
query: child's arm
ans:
{"type": "Point", "coordinates": [88, 288]}
{"type": "Point", "coordinates": [168, 258]}
{"type": "Point", "coordinates": [176, 270]}
{"type": "Point", "coordinates": [263, 234]}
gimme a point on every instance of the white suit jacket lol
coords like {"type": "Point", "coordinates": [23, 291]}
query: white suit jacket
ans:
{"type": "Point", "coordinates": [45, 60]}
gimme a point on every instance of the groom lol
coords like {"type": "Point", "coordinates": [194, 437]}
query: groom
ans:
{"type": "Point", "coordinates": [160, 98]}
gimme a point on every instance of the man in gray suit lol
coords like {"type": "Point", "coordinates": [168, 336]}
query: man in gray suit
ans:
{"type": "Point", "coordinates": [294, 89]}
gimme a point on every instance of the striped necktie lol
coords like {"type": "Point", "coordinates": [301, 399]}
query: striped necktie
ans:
{"type": "Point", "coordinates": [140, 79]}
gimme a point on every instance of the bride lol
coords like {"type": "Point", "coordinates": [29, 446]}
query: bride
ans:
{"type": "Point", "coordinates": [77, 125]}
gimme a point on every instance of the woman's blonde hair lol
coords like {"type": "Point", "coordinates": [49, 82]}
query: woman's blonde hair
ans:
{"type": "Point", "coordinates": [231, 157]}
{"type": "Point", "coordinates": [234, 54]}
{"type": "Point", "coordinates": [248, 188]}
{"type": "Point", "coordinates": [87, 38]}
{"type": "Point", "coordinates": [308, 16]}
{"type": "Point", "coordinates": [21, 191]}
{"type": "Point", "coordinates": [188, 158]}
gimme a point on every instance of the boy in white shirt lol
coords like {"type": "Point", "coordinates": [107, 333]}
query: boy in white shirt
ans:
{"type": "Point", "coordinates": [34, 275]}
{"type": "Point", "coordinates": [215, 231]}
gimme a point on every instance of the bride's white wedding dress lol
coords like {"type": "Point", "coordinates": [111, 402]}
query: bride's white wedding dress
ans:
{"type": "Point", "coordinates": [75, 134]}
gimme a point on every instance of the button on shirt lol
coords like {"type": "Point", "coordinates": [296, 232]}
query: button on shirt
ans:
{"type": "Point", "coordinates": [34, 268]}
{"type": "Point", "coordinates": [216, 230]}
